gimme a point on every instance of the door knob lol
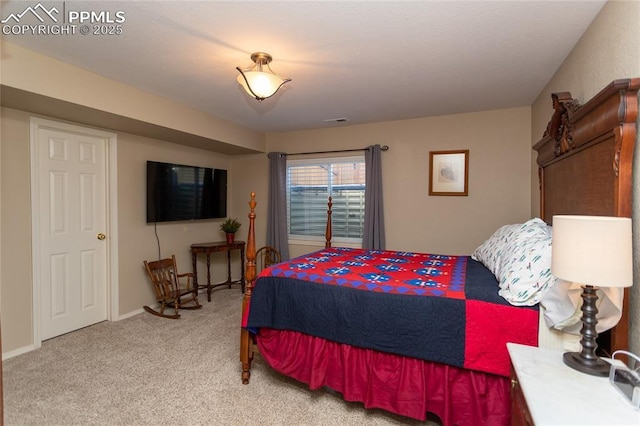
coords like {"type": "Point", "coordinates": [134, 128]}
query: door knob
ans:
{"type": "Point", "coordinates": [101, 236]}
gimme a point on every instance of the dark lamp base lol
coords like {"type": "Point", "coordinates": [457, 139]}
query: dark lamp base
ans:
{"type": "Point", "coordinates": [586, 360]}
{"type": "Point", "coordinates": [594, 367]}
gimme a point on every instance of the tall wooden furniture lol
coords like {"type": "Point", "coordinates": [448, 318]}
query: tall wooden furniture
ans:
{"type": "Point", "coordinates": [587, 152]}
{"type": "Point", "coordinates": [170, 290]}
{"type": "Point", "coordinates": [215, 247]}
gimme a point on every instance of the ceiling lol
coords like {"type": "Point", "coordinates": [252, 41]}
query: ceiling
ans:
{"type": "Point", "coordinates": [365, 61]}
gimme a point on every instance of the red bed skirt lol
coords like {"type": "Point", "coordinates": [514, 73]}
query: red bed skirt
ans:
{"type": "Point", "coordinates": [401, 385]}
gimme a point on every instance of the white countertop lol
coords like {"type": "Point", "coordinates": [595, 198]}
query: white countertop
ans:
{"type": "Point", "coordinates": [556, 394]}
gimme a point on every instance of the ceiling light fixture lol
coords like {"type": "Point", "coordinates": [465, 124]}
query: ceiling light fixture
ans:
{"type": "Point", "coordinates": [259, 81]}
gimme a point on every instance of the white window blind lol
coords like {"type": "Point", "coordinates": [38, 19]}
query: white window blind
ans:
{"type": "Point", "coordinates": [310, 183]}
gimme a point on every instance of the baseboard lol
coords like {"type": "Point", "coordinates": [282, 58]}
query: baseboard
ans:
{"type": "Point", "coordinates": [131, 314]}
{"type": "Point", "coordinates": [16, 352]}
{"type": "Point", "coordinates": [25, 349]}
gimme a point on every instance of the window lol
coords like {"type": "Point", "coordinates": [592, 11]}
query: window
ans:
{"type": "Point", "coordinates": [309, 185]}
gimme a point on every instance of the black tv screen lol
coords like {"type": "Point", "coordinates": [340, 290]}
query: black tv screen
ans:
{"type": "Point", "coordinates": [178, 192]}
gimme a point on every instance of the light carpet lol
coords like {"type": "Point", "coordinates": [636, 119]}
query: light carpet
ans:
{"type": "Point", "coordinates": [151, 370]}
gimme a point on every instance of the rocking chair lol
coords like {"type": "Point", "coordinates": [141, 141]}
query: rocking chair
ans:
{"type": "Point", "coordinates": [168, 288]}
{"type": "Point", "coordinates": [265, 257]}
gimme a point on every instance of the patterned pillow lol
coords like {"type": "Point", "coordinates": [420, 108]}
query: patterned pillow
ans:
{"type": "Point", "coordinates": [519, 256]}
{"type": "Point", "coordinates": [525, 275]}
{"type": "Point", "coordinates": [491, 251]}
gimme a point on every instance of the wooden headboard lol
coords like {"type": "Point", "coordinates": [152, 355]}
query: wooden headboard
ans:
{"type": "Point", "coordinates": [585, 163]}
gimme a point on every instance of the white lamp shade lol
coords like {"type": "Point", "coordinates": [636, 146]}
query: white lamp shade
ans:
{"type": "Point", "coordinates": [593, 250]}
{"type": "Point", "coordinates": [263, 84]}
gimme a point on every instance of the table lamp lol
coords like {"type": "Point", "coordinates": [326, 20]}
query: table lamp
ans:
{"type": "Point", "coordinates": [595, 251]}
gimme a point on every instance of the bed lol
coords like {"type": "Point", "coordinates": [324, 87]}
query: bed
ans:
{"type": "Point", "coordinates": [436, 343]}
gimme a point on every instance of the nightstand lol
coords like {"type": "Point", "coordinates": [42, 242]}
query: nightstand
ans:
{"type": "Point", "coordinates": [545, 391]}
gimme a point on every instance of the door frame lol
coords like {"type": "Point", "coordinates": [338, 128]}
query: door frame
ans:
{"type": "Point", "coordinates": [35, 124]}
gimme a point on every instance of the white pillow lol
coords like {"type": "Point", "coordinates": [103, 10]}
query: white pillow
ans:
{"type": "Point", "coordinates": [563, 301]}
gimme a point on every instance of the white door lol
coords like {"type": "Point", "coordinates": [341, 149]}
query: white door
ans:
{"type": "Point", "coordinates": [72, 217]}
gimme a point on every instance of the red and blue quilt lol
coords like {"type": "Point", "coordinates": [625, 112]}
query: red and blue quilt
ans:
{"type": "Point", "coordinates": [433, 307]}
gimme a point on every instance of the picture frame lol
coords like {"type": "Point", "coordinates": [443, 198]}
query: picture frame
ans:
{"type": "Point", "coordinates": [449, 172]}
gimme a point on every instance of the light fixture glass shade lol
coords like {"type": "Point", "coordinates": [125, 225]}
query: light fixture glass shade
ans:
{"type": "Point", "coordinates": [263, 85]}
{"type": "Point", "coordinates": [592, 250]}
{"type": "Point", "coordinates": [259, 81]}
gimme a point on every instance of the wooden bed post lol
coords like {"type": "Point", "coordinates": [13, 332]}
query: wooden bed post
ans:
{"type": "Point", "coordinates": [327, 233]}
{"type": "Point", "coordinates": [246, 340]}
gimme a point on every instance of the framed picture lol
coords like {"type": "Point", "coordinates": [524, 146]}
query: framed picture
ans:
{"type": "Point", "coordinates": [449, 172]}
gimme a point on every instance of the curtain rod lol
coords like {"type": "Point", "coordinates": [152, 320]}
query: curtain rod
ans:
{"type": "Point", "coordinates": [382, 148]}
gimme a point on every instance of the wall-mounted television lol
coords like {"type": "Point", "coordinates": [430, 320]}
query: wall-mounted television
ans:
{"type": "Point", "coordinates": [177, 192]}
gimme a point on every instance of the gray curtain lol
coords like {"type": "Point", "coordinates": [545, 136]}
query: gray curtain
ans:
{"type": "Point", "coordinates": [277, 235]}
{"type": "Point", "coordinates": [373, 234]}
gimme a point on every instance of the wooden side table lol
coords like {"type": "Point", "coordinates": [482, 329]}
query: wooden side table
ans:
{"type": "Point", "coordinates": [545, 391]}
{"type": "Point", "coordinates": [214, 247]}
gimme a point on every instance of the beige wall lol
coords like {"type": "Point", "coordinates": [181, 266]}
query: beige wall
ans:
{"type": "Point", "coordinates": [137, 240]}
{"type": "Point", "coordinates": [499, 186]}
{"type": "Point", "coordinates": [31, 73]}
{"type": "Point", "coordinates": [15, 222]}
{"type": "Point", "coordinates": [250, 174]}
{"type": "Point", "coordinates": [609, 50]}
